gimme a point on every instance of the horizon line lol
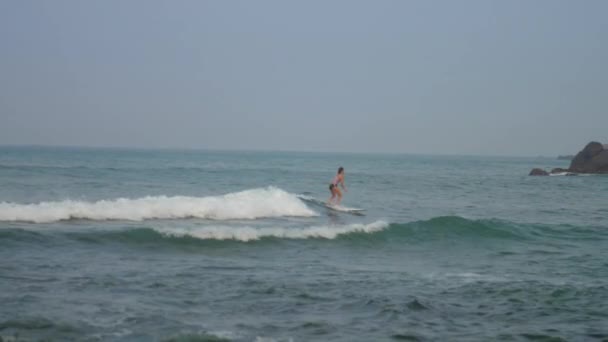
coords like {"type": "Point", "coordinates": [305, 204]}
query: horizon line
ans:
{"type": "Point", "coordinates": [264, 150]}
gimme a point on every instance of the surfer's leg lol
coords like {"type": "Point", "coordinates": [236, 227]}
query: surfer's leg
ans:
{"type": "Point", "coordinates": [339, 194]}
{"type": "Point", "coordinates": [333, 194]}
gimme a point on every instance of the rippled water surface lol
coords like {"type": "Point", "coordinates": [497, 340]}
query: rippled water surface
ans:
{"type": "Point", "coordinates": [129, 245]}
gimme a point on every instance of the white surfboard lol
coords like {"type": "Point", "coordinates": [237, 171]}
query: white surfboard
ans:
{"type": "Point", "coordinates": [345, 209]}
{"type": "Point", "coordinates": [340, 208]}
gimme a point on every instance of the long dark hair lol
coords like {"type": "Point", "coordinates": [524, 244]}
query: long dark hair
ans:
{"type": "Point", "coordinates": [340, 170]}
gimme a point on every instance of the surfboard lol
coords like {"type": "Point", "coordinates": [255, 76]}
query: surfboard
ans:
{"type": "Point", "coordinates": [339, 208]}
{"type": "Point", "coordinates": [343, 208]}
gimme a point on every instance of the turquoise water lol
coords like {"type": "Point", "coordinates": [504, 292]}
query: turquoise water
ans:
{"type": "Point", "coordinates": [139, 245]}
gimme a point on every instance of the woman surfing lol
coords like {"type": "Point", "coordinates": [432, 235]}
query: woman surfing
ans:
{"type": "Point", "coordinates": [336, 194]}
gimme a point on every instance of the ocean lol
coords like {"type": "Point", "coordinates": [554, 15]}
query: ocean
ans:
{"type": "Point", "coordinates": [188, 245]}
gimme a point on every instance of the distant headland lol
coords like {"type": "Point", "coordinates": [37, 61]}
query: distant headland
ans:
{"type": "Point", "coordinates": [592, 159]}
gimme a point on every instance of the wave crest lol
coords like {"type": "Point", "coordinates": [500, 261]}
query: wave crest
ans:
{"type": "Point", "coordinates": [248, 204]}
{"type": "Point", "coordinates": [251, 233]}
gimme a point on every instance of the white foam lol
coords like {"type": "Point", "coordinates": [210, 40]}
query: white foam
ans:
{"type": "Point", "coordinates": [466, 277]}
{"type": "Point", "coordinates": [253, 233]}
{"type": "Point", "coordinates": [249, 204]}
{"type": "Point", "coordinates": [563, 174]}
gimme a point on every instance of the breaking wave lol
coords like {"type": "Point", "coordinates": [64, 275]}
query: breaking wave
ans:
{"type": "Point", "coordinates": [252, 233]}
{"type": "Point", "coordinates": [248, 204]}
{"type": "Point", "coordinates": [441, 229]}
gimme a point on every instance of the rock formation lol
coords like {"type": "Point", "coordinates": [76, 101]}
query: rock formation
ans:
{"type": "Point", "coordinates": [538, 172]}
{"type": "Point", "coordinates": [592, 159]}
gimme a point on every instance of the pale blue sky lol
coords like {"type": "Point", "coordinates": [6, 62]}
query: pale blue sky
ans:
{"type": "Point", "coordinates": [445, 77]}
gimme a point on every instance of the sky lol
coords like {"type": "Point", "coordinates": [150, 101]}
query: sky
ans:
{"type": "Point", "coordinates": [432, 77]}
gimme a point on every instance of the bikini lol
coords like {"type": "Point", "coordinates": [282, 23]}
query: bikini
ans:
{"type": "Point", "coordinates": [334, 183]}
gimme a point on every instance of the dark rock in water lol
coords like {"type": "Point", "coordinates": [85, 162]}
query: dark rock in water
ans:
{"type": "Point", "coordinates": [592, 159]}
{"type": "Point", "coordinates": [538, 172]}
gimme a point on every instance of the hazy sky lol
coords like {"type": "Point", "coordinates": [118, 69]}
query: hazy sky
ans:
{"type": "Point", "coordinates": [444, 77]}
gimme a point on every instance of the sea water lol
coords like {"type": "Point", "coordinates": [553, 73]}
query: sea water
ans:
{"type": "Point", "coordinates": [140, 245]}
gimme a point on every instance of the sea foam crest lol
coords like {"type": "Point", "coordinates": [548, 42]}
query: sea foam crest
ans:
{"type": "Point", "coordinates": [248, 204]}
{"type": "Point", "coordinates": [253, 233]}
